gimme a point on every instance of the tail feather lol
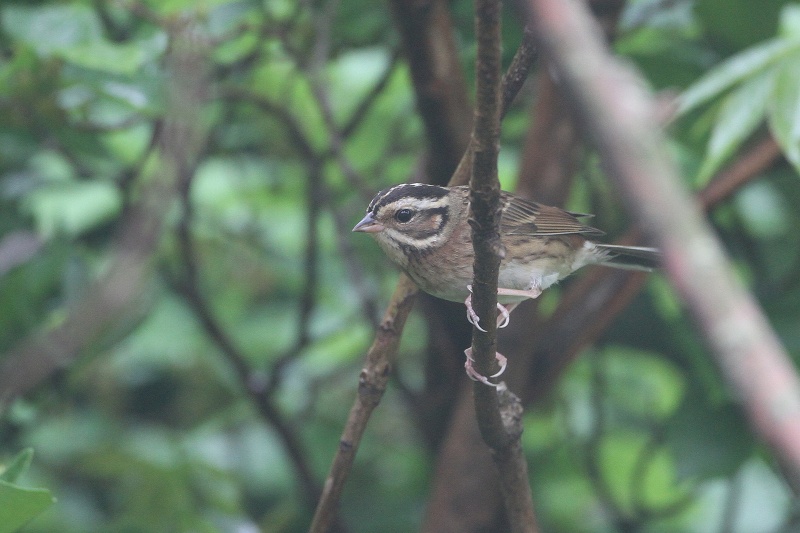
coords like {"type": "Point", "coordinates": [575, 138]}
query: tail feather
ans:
{"type": "Point", "coordinates": [631, 257]}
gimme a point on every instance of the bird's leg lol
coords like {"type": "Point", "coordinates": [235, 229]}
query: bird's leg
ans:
{"type": "Point", "coordinates": [502, 321]}
{"type": "Point", "coordinates": [505, 310]}
{"type": "Point", "coordinates": [475, 376]}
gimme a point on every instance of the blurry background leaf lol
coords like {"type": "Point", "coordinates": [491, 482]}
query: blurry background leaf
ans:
{"type": "Point", "coordinates": [784, 110]}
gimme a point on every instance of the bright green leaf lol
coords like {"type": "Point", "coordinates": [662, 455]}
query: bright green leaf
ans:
{"type": "Point", "coordinates": [53, 28]}
{"type": "Point", "coordinates": [784, 110]}
{"type": "Point", "coordinates": [735, 70]}
{"type": "Point", "coordinates": [764, 211]}
{"type": "Point", "coordinates": [765, 504]}
{"type": "Point", "coordinates": [18, 465]}
{"type": "Point", "coordinates": [19, 505]}
{"type": "Point", "coordinates": [73, 208]}
{"type": "Point", "coordinates": [741, 112]}
{"type": "Point", "coordinates": [125, 59]}
{"type": "Point", "coordinates": [789, 26]}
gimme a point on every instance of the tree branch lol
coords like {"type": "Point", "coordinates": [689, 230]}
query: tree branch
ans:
{"type": "Point", "coordinates": [498, 411]}
{"type": "Point", "coordinates": [371, 386]}
{"type": "Point", "coordinates": [619, 116]}
{"type": "Point", "coordinates": [517, 73]}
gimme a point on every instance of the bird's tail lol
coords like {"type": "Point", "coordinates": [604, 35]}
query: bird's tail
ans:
{"type": "Point", "coordinates": [630, 257]}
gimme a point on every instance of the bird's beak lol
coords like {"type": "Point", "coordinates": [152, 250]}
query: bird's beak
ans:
{"type": "Point", "coordinates": [368, 225]}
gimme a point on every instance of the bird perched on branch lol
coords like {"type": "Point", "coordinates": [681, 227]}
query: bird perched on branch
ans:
{"type": "Point", "coordinates": [424, 230]}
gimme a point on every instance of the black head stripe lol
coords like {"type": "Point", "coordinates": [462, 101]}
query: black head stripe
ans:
{"type": "Point", "coordinates": [427, 232]}
{"type": "Point", "coordinates": [406, 190]}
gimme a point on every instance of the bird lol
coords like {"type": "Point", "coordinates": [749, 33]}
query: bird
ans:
{"type": "Point", "coordinates": [424, 230]}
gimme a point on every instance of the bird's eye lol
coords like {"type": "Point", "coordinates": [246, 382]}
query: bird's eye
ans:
{"type": "Point", "coordinates": [404, 215]}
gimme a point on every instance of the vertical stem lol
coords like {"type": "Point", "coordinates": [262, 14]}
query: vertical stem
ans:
{"type": "Point", "coordinates": [499, 412]}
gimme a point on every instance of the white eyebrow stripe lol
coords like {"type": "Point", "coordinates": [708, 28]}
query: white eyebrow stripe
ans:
{"type": "Point", "coordinates": [418, 204]}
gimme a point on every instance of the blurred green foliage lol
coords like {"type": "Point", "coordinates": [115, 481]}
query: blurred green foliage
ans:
{"type": "Point", "coordinates": [152, 429]}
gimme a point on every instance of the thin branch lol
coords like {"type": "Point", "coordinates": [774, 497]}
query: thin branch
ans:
{"type": "Point", "coordinates": [518, 71]}
{"type": "Point", "coordinates": [363, 107]}
{"type": "Point", "coordinates": [619, 116]}
{"type": "Point", "coordinates": [294, 129]}
{"type": "Point", "coordinates": [760, 156]}
{"type": "Point", "coordinates": [499, 412]}
{"type": "Point", "coordinates": [250, 381]}
{"type": "Point", "coordinates": [371, 386]}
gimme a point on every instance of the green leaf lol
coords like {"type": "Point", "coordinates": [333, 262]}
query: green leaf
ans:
{"type": "Point", "coordinates": [708, 441]}
{"type": "Point", "coordinates": [125, 59]}
{"type": "Point", "coordinates": [789, 26]}
{"type": "Point", "coordinates": [764, 210]}
{"type": "Point", "coordinates": [736, 24]}
{"type": "Point", "coordinates": [642, 383]}
{"type": "Point", "coordinates": [51, 29]}
{"type": "Point", "coordinates": [18, 505]}
{"type": "Point", "coordinates": [73, 208]}
{"type": "Point", "coordinates": [18, 465]}
{"type": "Point", "coordinates": [784, 110]}
{"type": "Point", "coordinates": [734, 70]}
{"type": "Point", "coordinates": [741, 112]}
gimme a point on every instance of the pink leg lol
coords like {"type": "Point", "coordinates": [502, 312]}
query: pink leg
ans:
{"type": "Point", "coordinates": [475, 376]}
{"type": "Point", "coordinates": [502, 321]}
{"type": "Point", "coordinates": [505, 311]}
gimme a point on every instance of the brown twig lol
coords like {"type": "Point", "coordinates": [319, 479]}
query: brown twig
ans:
{"type": "Point", "coordinates": [517, 73]}
{"type": "Point", "coordinates": [747, 350]}
{"type": "Point", "coordinates": [252, 385]}
{"type": "Point", "coordinates": [499, 412]}
{"type": "Point", "coordinates": [760, 156]}
{"type": "Point", "coordinates": [366, 103]}
{"type": "Point", "coordinates": [371, 386]}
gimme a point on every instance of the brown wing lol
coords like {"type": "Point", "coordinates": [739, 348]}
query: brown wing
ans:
{"type": "Point", "coordinates": [523, 217]}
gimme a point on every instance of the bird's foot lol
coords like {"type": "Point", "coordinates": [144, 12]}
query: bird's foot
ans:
{"type": "Point", "coordinates": [505, 310]}
{"type": "Point", "coordinates": [502, 319]}
{"type": "Point", "coordinates": [474, 375]}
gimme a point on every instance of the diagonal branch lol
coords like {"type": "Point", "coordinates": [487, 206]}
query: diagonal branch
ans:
{"type": "Point", "coordinates": [516, 75]}
{"type": "Point", "coordinates": [593, 301]}
{"type": "Point", "coordinates": [619, 117]}
{"type": "Point", "coordinates": [371, 385]}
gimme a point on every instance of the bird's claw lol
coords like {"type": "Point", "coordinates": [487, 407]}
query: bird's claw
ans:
{"type": "Point", "coordinates": [475, 376]}
{"type": "Point", "coordinates": [472, 317]}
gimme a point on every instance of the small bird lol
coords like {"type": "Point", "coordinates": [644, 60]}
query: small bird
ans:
{"type": "Point", "coordinates": [424, 230]}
